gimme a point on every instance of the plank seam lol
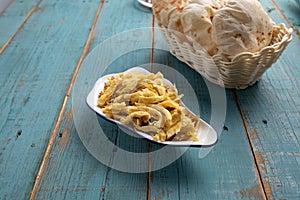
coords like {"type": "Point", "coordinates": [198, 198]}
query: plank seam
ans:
{"type": "Point", "coordinates": [286, 18]}
{"type": "Point", "coordinates": [178, 184]}
{"type": "Point", "coordinates": [63, 107]}
{"type": "Point", "coordinates": [257, 169]}
{"type": "Point", "coordinates": [148, 193]}
{"type": "Point", "coordinates": [28, 15]}
{"type": "Point", "coordinates": [152, 43]}
{"type": "Point", "coordinates": [107, 171]}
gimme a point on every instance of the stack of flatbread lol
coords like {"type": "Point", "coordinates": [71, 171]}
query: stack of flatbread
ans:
{"type": "Point", "coordinates": [224, 27]}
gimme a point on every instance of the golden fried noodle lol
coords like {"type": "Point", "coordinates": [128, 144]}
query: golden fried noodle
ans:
{"type": "Point", "coordinates": [145, 103]}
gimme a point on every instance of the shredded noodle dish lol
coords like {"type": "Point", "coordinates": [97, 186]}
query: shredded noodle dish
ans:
{"type": "Point", "coordinates": [145, 103]}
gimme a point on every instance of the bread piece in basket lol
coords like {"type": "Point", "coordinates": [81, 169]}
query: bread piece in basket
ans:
{"type": "Point", "coordinates": [233, 54]}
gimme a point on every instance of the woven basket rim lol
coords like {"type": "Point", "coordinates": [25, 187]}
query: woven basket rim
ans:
{"type": "Point", "coordinates": [286, 38]}
{"type": "Point", "coordinates": [229, 73]}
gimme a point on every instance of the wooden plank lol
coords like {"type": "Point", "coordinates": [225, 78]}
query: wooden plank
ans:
{"type": "Point", "coordinates": [271, 112]}
{"type": "Point", "coordinates": [76, 175]}
{"type": "Point", "coordinates": [33, 86]}
{"type": "Point", "coordinates": [106, 183]}
{"type": "Point", "coordinates": [13, 19]}
{"type": "Point", "coordinates": [228, 172]}
{"type": "Point", "coordinates": [290, 10]}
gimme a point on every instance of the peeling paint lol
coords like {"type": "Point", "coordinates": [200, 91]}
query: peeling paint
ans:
{"type": "Point", "coordinates": [102, 189]}
{"type": "Point", "coordinates": [252, 192]}
{"type": "Point", "coordinates": [253, 135]}
{"type": "Point", "coordinates": [261, 164]}
{"type": "Point", "coordinates": [64, 139]}
{"type": "Point", "coordinates": [263, 171]}
{"type": "Point", "coordinates": [69, 116]}
{"type": "Point", "coordinates": [65, 136]}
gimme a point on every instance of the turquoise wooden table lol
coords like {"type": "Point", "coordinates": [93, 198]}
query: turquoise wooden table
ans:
{"type": "Point", "coordinates": [44, 48]}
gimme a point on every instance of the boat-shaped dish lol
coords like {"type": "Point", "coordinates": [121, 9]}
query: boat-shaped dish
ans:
{"type": "Point", "coordinates": [206, 134]}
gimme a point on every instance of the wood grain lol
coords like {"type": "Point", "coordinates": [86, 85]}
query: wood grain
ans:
{"type": "Point", "coordinates": [271, 111]}
{"type": "Point", "coordinates": [105, 183]}
{"type": "Point", "coordinates": [290, 12]}
{"type": "Point", "coordinates": [13, 19]}
{"type": "Point", "coordinates": [42, 50]}
{"type": "Point", "coordinates": [228, 172]}
{"type": "Point", "coordinates": [33, 85]}
{"type": "Point", "coordinates": [64, 138]}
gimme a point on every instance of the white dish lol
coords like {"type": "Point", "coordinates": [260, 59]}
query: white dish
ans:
{"type": "Point", "coordinates": [146, 3]}
{"type": "Point", "coordinates": [206, 135]}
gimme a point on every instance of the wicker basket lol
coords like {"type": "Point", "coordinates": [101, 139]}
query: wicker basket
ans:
{"type": "Point", "coordinates": [242, 71]}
